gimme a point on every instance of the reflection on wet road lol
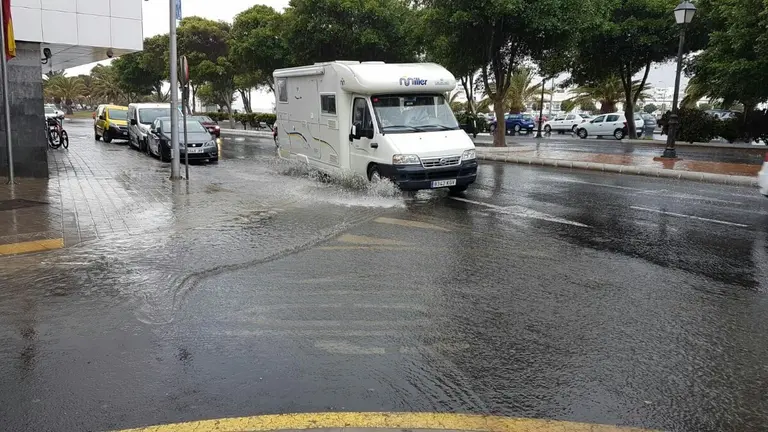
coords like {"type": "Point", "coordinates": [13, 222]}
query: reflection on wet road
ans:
{"type": "Point", "coordinates": [540, 293]}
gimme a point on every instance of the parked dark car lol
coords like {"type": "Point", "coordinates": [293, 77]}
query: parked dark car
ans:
{"type": "Point", "coordinates": [209, 123]}
{"type": "Point", "coordinates": [516, 123]}
{"type": "Point", "coordinates": [200, 144]}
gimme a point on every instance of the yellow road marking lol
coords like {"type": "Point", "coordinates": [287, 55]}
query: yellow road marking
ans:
{"type": "Point", "coordinates": [409, 223]}
{"type": "Point", "coordinates": [31, 246]}
{"type": "Point", "coordinates": [371, 241]}
{"type": "Point", "coordinates": [464, 422]}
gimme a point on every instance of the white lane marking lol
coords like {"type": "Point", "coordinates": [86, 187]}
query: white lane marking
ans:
{"type": "Point", "coordinates": [601, 184]}
{"type": "Point", "coordinates": [523, 212]}
{"type": "Point", "coordinates": [668, 194]}
{"type": "Point", "coordinates": [689, 217]}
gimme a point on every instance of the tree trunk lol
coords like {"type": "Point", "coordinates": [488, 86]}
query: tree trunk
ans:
{"type": "Point", "coordinates": [245, 95]}
{"type": "Point", "coordinates": [466, 83]}
{"type": "Point", "coordinates": [499, 137]}
{"type": "Point", "coordinates": [228, 106]}
{"type": "Point", "coordinates": [194, 92]}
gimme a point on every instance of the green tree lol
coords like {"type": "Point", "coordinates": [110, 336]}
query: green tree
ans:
{"type": "Point", "coordinates": [631, 35]}
{"type": "Point", "coordinates": [219, 78]}
{"type": "Point", "coordinates": [106, 84]}
{"type": "Point", "coordinates": [67, 89]}
{"type": "Point", "coordinates": [499, 36]}
{"type": "Point", "coordinates": [326, 30]}
{"type": "Point", "coordinates": [144, 72]}
{"type": "Point", "coordinates": [201, 39]}
{"type": "Point", "coordinates": [734, 65]}
{"type": "Point", "coordinates": [650, 108]}
{"type": "Point", "coordinates": [705, 106]}
{"type": "Point", "coordinates": [608, 93]}
{"type": "Point", "coordinates": [522, 90]}
{"type": "Point", "coordinates": [258, 45]}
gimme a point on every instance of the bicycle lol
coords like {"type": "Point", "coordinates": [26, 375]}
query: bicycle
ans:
{"type": "Point", "coordinates": [57, 136]}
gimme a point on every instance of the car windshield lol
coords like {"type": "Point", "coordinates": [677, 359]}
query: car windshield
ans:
{"type": "Point", "coordinates": [49, 110]}
{"type": "Point", "coordinates": [527, 117]}
{"type": "Point", "coordinates": [148, 115]}
{"type": "Point", "coordinates": [117, 114]}
{"type": "Point", "coordinates": [413, 113]}
{"type": "Point", "coordinates": [192, 126]}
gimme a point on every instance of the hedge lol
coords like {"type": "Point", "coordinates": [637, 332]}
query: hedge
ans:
{"type": "Point", "coordinates": [698, 126]}
{"type": "Point", "coordinates": [252, 120]}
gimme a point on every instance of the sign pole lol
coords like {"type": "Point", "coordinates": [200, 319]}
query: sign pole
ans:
{"type": "Point", "coordinates": [184, 89]}
{"type": "Point", "coordinates": [6, 104]}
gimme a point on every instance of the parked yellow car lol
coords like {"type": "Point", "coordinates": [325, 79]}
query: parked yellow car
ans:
{"type": "Point", "coordinates": [111, 122]}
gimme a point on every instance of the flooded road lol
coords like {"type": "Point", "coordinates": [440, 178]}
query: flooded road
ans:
{"type": "Point", "coordinates": [258, 289]}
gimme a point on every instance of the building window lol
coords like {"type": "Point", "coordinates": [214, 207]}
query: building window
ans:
{"type": "Point", "coordinates": [328, 104]}
{"type": "Point", "coordinates": [282, 90]}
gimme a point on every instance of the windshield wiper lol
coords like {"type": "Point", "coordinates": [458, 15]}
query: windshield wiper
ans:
{"type": "Point", "coordinates": [404, 126]}
{"type": "Point", "coordinates": [442, 127]}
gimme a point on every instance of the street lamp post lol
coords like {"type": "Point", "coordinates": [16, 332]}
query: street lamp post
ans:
{"type": "Point", "coordinates": [683, 15]}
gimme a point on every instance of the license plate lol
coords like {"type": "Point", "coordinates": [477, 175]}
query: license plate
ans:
{"type": "Point", "coordinates": [443, 183]}
{"type": "Point", "coordinates": [196, 150]}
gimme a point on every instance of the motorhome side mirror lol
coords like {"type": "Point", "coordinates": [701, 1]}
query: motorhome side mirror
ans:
{"type": "Point", "coordinates": [133, 122]}
{"type": "Point", "coordinates": [355, 132]}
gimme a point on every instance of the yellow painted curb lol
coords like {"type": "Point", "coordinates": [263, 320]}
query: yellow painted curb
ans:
{"type": "Point", "coordinates": [31, 246]}
{"type": "Point", "coordinates": [463, 422]}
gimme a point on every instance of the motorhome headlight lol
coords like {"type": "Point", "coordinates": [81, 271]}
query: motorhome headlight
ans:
{"type": "Point", "coordinates": [468, 154]}
{"type": "Point", "coordinates": [406, 159]}
{"type": "Point", "coordinates": [210, 144]}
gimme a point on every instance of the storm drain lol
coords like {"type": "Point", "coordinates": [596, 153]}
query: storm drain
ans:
{"type": "Point", "coordinates": [16, 204]}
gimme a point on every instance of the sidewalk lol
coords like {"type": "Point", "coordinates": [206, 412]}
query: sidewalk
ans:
{"type": "Point", "coordinates": [715, 172]}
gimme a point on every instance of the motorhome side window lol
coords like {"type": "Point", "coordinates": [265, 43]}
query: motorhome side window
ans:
{"type": "Point", "coordinates": [361, 114]}
{"type": "Point", "coordinates": [328, 104]}
{"type": "Point", "coordinates": [282, 90]}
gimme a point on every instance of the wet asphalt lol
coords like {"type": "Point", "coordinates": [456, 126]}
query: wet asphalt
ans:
{"type": "Point", "coordinates": [572, 143]}
{"type": "Point", "coordinates": [543, 293]}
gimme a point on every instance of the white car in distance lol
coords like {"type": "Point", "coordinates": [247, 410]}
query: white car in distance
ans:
{"type": "Point", "coordinates": [762, 177]}
{"type": "Point", "coordinates": [612, 124]}
{"type": "Point", "coordinates": [565, 122]}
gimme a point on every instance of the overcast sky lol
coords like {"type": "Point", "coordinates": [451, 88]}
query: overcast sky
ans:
{"type": "Point", "coordinates": [156, 16]}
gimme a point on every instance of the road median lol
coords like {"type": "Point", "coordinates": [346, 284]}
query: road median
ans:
{"type": "Point", "coordinates": [513, 155]}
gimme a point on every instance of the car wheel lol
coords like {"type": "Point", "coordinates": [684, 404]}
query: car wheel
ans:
{"type": "Point", "coordinates": [161, 154]}
{"type": "Point", "coordinates": [582, 133]}
{"type": "Point", "coordinates": [96, 135]}
{"type": "Point", "coordinates": [517, 128]}
{"type": "Point", "coordinates": [106, 137]}
{"type": "Point", "coordinates": [548, 129]}
{"type": "Point", "coordinates": [455, 190]}
{"type": "Point", "coordinates": [374, 176]}
{"type": "Point", "coordinates": [492, 129]}
{"type": "Point", "coordinates": [618, 134]}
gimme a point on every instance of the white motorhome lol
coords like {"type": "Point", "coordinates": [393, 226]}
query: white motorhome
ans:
{"type": "Point", "coordinates": [376, 119]}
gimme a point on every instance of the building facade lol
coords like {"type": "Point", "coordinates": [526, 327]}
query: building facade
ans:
{"type": "Point", "coordinates": [76, 32]}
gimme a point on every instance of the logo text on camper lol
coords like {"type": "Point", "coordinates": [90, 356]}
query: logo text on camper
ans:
{"type": "Point", "coordinates": [412, 81]}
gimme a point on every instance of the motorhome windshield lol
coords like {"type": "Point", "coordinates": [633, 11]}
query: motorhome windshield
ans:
{"type": "Point", "coordinates": [413, 113]}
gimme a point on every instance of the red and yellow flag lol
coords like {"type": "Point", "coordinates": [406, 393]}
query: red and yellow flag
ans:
{"type": "Point", "coordinates": [10, 41]}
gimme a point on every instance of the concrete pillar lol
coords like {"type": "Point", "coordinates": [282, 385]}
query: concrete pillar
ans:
{"type": "Point", "coordinates": [25, 79]}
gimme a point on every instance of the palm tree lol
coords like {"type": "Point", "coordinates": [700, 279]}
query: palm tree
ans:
{"type": "Point", "coordinates": [66, 89]}
{"type": "Point", "coordinates": [521, 91]}
{"type": "Point", "coordinates": [694, 92]}
{"type": "Point", "coordinates": [106, 84]}
{"type": "Point", "coordinates": [608, 92]}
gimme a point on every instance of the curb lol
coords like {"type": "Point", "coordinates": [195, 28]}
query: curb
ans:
{"type": "Point", "coordinates": [650, 143]}
{"type": "Point", "coordinates": [623, 169]}
{"type": "Point", "coordinates": [247, 133]}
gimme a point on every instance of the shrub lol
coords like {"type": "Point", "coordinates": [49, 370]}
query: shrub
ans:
{"type": "Point", "coordinates": [696, 126]}
{"type": "Point", "coordinates": [466, 119]}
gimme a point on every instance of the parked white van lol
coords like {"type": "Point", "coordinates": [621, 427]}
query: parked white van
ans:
{"type": "Point", "coordinates": [375, 119]}
{"type": "Point", "coordinates": [140, 119]}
